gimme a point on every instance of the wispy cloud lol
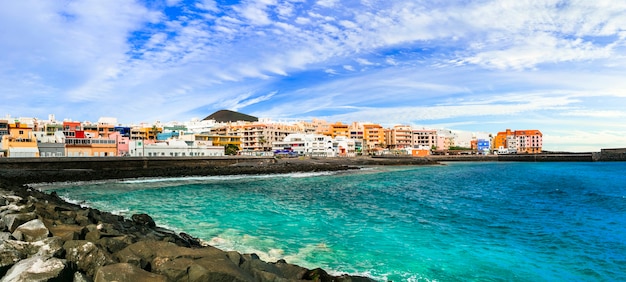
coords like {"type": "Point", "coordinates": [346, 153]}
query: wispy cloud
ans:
{"type": "Point", "coordinates": [460, 63]}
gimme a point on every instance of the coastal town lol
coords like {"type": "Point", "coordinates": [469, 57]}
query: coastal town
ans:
{"type": "Point", "coordinates": [232, 133]}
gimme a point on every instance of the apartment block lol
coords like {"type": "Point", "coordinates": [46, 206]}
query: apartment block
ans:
{"type": "Point", "coordinates": [400, 137]}
{"type": "Point", "coordinates": [19, 142]}
{"type": "Point", "coordinates": [424, 138]}
{"type": "Point", "coordinates": [519, 141]}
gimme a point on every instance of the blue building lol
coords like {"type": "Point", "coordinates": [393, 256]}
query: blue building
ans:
{"type": "Point", "coordinates": [167, 135]}
{"type": "Point", "coordinates": [483, 145]}
{"type": "Point", "coordinates": [123, 130]}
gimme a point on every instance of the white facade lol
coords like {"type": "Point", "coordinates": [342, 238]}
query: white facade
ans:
{"type": "Point", "coordinates": [512, 144]}
{"type": "Point", "coordinates": [307, 145]}
{"type": "Point", "coordinates": [56, 137]}
{"type": "Point", "coordinates": [198, 126]}
{"type": "Point", "coordinates": [175, 148]}
{"type": "Point", "coordinates": [345, 147]}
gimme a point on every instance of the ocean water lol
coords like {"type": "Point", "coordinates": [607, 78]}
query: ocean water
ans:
{"type": "Point", "coordinates": [491, 221]}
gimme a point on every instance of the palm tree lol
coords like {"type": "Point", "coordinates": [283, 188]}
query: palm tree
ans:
{"type": "Point", "coordinates": [154, 131]}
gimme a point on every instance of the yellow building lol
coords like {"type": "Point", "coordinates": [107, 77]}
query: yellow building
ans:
{"type": "Point", "coordinates": [20, 142]}
{"type": "Point", "coordinates": [220, 140]}
{"type": "Point", "coordinates": [145, 133]}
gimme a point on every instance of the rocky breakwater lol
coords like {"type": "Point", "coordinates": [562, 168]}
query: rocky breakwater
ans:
{"type": "Point", "coordinates": [43, 238]}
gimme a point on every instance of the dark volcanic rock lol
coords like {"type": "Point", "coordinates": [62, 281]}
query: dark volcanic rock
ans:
{"type": "Point", "coordinates": [86, 255]}
{"type": "Point", "coordinates": [39, 269]}
{"type": "Point", "coordinates": [31, 231]}
{"type": "Point", "coordinates": [12, 221]}
{"type": "Point", "coordinates": [126, 272]}
{"type": "Point", "coordinates": [143, 219]}
{"type": "Point", "coordinates": [84, 244]}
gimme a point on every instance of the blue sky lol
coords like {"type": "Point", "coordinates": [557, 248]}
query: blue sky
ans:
{"type": "Point", "coordinates": [556, 66]}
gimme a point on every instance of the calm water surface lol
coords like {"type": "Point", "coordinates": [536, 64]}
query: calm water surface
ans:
{"type": "Point", "coordinates": [461, 221]}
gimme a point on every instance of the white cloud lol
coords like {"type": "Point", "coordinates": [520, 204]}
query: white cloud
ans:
{"type": "Point", "coordinates": [255, 13]}
{"type": "Point", "coordinates": [330, 71]}
{"type": "Point", "coordinates": [460, 62]}
{"type": "Point", "coordinates": [364, 62]}
{"type": "Point", "coordinates": [172, 2]}
{"type": "Point", "coordinates": [327, 3]}
{"type": "Point", "coordinates": [302, 20]}
{"type": "Point", "coordinates": [245, 100]}
{"type": "Point", "coordinates": [595, 114]}
{"type": "Point", "coordinates": [208, 5]}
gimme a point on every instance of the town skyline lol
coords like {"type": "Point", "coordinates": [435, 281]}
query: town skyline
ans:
{"type": "Point", "coordinates": [556, 66]}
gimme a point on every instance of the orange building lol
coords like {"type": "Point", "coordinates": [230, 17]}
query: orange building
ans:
{"type": "Point", "coordinates": [500, 140]}
{"type": "Point", "coordinates": [335, 129]}
{"type": "Point", "coordinates": [373, 136]}
{"type": "Point", "coordinates": [91, 147]}
{"type": "Point", "coordinates": [20, 142]}
{"type": "Point", "coordinates": [520, 141]}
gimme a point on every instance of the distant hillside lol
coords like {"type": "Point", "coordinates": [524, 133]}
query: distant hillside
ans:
{"type": "Point", "coordinates": [230, 116]}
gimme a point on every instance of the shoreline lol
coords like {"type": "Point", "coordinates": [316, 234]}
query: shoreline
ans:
{"type": "Point", "coordinates": [115, 245]}
{"type": "Point", "coordinates": [42, 235]}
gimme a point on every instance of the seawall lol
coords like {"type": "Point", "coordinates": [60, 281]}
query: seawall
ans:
{"type": "Point", "coordinates": [36, 170]}
{"type": "Point", "coordinates": [569, 157]}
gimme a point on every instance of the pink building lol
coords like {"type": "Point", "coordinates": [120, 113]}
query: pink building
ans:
{"type": "Point", "coordinates": [122, 143]}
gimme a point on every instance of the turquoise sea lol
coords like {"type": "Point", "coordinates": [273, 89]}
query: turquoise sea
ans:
{"type": "Point", "coordinates": [489, 221]}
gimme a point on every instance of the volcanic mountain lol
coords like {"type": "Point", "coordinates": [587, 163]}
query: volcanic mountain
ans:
{"type": "Point", "coordinates": [230, 116]}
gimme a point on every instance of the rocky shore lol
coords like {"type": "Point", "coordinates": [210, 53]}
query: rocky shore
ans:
{"type": "Point", "coordinates": [44, 238]}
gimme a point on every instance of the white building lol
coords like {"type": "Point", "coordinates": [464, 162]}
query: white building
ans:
{"type": "Point", "coordinates": [174, 148]}
{"type": "Point", "coordinates": [346, 147]}
{"type": "Point", "coordinates": [300, 144]}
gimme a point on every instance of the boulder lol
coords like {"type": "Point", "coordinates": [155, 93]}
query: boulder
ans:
{"type": "Point", "coordinates": [290, 271]}
{"type": "Point", "coordinates": [93, 236]}
{"type": "Point", "coordinates": [67, 232]}
{"type": "Point", "coordinates": [86, 255]}
{"type": "Point", "coordinates": [264, 271]}
{"type": "Point", "coordinates": [216, 269]}
{"type": "Point", "coordinates": [115, 244]}
{"type": "Point", "coordinates": [12, 221]}
{"type": "Point", "coordinates": [126, 272]}
{"type": "Point", "coordinates": [4, 235]}
{"type": "Point", "coordinates": [202, 269]}
{"type": "Point", "coordinates": [48, 247]}
{"type": "Point", "coordinates": [81, 277]}
{"type": "Point", "coordinates": [12, 199]}
{"type": "Point", "coordinates": [38, 269]}
{"type": "Point", "coordinates": [31, 231]}
{"type": "Point", "coordinates": [235, 257]}
{"type": "Point", "coordinates": [318, 274]}
{"type": "Point", "coordinates": [11, 208]}
{"type": "Point", "coordinates": [10, 253]}
{"type": "Point", "coordinates": [174, 270]}
{"type": "Point", "coordinates": [141, 253]}
{"type": "Point", "coordinates": [143, 219]}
